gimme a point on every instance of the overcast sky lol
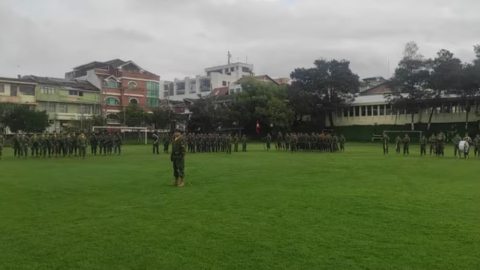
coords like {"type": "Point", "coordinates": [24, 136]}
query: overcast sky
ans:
{"type": "Point", "coordinates": [177, 38]}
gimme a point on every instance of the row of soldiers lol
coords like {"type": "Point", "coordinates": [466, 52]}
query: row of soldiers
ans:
{"type": "Point", "coordinates": [321, 142]}
{"type": "Point", "coordinates": [203, 143]}
{"type": "Point", "coordinates": [65, 144]}
{"type": "Point", "coordinates": [436, 142]}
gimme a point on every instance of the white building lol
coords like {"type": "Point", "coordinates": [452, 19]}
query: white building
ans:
{"type": "Point", "coordinates": [216, 77]}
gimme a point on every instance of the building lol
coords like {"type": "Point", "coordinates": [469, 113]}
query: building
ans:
{"type": "Point", "coordinates": [17, 91]}
{"type": "Point", "coordinates": [122, 83]}
{"type": "Point", "coordinates": [371, 107]}
{"type": "Point", "coordinates": [65, 101]}
{"type": "Point", "coordinates": [284, 81]}
{"type": "Point", "coordinates": [202, 85]}
{"type": "Point", "coordinates": [236, 87]}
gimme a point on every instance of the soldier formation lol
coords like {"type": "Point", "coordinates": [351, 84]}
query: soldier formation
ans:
{"type": "Point", "coordinates": [214, 143]}
{"type": "Point", "coordinates": [49, 145]}
{"type": "Point", "coordinates": [436, 142]}
{"type": "Point", "coordinates": [316, 142]}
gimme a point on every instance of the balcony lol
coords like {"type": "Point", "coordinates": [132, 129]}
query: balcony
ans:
{"type": "Point", "coordinates": [18, 99]}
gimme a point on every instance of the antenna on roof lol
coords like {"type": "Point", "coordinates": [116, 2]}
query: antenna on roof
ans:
{"type": "Point", "coordinates": [229, 56]}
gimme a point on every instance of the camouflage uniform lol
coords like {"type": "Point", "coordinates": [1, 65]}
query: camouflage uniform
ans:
{"type": "Point", "coordinates": [423, 146]}
{"type": "Point", "coordinates": [342, 143]}
{"type": "Point", "coordinates": [456, 140]}
{"type": "Point", "coordinates": [236, 140]}
{"type": "Point", "coordinates": [35, 145]}
{"type": "Point", "coordinates": [385, 141]}
{"type": "Point", "coordinates": [229, 141]}
{"type": "Point", "coordinates": [244, 143]}
{"type": "Point", "coordinates": [406, 145]}
{"type": "Point", "coordinates": [117, 143]}
{"type": "Point", "coordinates": [432, 140]}
{"type": "Point", "coordinates": [476, 144]}
{"type": "Point", "coordinates": [398, 142]}
{"type": "Point", "coordinates": [178, 159]}
{"type": "Point", "coordinates": [82, 143]}
{"type": "Point", "coordinates": [268, 140]}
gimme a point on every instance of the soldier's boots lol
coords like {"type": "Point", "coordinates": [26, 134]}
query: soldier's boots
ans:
{"type": "Point", "coordinates": [181, 182]}
{"type": "Point", "coordinates": [175, 182]}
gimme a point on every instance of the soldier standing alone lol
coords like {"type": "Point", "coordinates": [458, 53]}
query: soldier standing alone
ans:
{"type": "Point", "coordinates": [423, 146]}
{"type": "Point", "coordinates": [117, 140]}
{"type": "Point", "coordinates": [178, 159]}
{"type": "Point", "coordinates": [476, 144]}
{"type": "Point", "coordinates": [456, 140]}
{"type": "Point", "coordinates": [342, 143]}
{"type": "Point", "coordinates": [398, 142]}
{"type": "Point", "coordinates": [244, 143]}
{"type": "Point", "coordinates": [406, 145]}
{"type": "Point", "coordinates": [385, 141]}
{"type": "Point", "coordinates": [166, 143]}
{"type": "Point", "coordinates": [268, 140]}
{"type": "Point", "coordinates": [156, 138]}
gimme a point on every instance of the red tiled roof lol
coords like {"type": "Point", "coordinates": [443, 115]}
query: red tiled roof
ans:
{"type": "Point", "coordinates": [221, 91]}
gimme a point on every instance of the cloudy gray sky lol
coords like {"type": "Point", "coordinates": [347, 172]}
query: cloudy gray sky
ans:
{"type": "Point", "coordinates": [177, 38]}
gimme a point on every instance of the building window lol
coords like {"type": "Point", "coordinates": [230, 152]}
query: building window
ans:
{"type": "Point", "coordinates": [345, 112]}
{"type": "Point", "coordinates": [375, 110]}
{"type": "Point", "coordinates": [112, 84]}
{"type": "Point", "coordinates": [63, 108]}
{"type": "Point", "coordinates": [226, 70]}
{"type": "Point", "coordinates": [133, 101]}
{"type": "Point", "coordinates": [85, 109]}
{"type": "Point", "coordinates": [180, 86]}
{"type": "Point", "coordinates": [152, 102]}
{"type": "Point", "coordinates": [75, 93]}
{"type": "Point", "coordinates": [382, 109]}
{"type": "Point", "coordinates": [48, 90]}
{"type": "Point", "coordinates": [350, 111]}
{"type": "Point", "coordinates": [112, 101]}
{"type": "Point", "coordinates": [132, 85]}
{"type": "Point", "coordinates": [246, 70]}
{"type": "Point", "coordinates": [389, 109]}
{"type": "Point", "coordinates": [51, 107]}
{"type": "Point", "coordinates": [224, 83]}
{"type": "Point", "coordinates": [112, 116]}
{"type": "Point", "coordinates": [232, 69]}
{"type": "Point", "coordinates": [2, 88]}
{"type": "Point", "coordinates": [357, 111]}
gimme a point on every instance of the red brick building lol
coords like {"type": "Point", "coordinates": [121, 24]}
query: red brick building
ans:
{"type": "Point", "coordinates": [122, 83]}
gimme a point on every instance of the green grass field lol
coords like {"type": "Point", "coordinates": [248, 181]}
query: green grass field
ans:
{"type": "Point", "coordinates": [255, 210]}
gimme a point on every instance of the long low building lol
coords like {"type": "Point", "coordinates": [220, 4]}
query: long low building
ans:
{"type": "Point", "coordinates": [372, 108]}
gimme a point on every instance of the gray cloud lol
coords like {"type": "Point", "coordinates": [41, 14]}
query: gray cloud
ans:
{"type": "Point", "coordinates": [177, 38]}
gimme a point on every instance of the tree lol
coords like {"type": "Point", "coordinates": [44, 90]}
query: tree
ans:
{"type": "Point", "coordinates": [409, 81]}
{"type": "Point", "coordinates": [470, 87]}
{"type": "Point", "coordinates": [162, 118]}
{"type": "Point", "coordinates": [445, 76]}
{"type": "Point", "coordinates": [21, 117]}
{"type": "Point", "coordinates": [207, 116]}
{"type": "Point", "coordinates": [262, 102]}
{"type": "Point", "coordinates": [133, 116]}
{"type": "Point", "coordinates": [300, 102]}
{"type": "Point", "coordinates": [329, 85]}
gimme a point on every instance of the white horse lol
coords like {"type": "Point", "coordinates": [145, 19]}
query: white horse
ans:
{"type": "Point", "coordinates": [464, 148]}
